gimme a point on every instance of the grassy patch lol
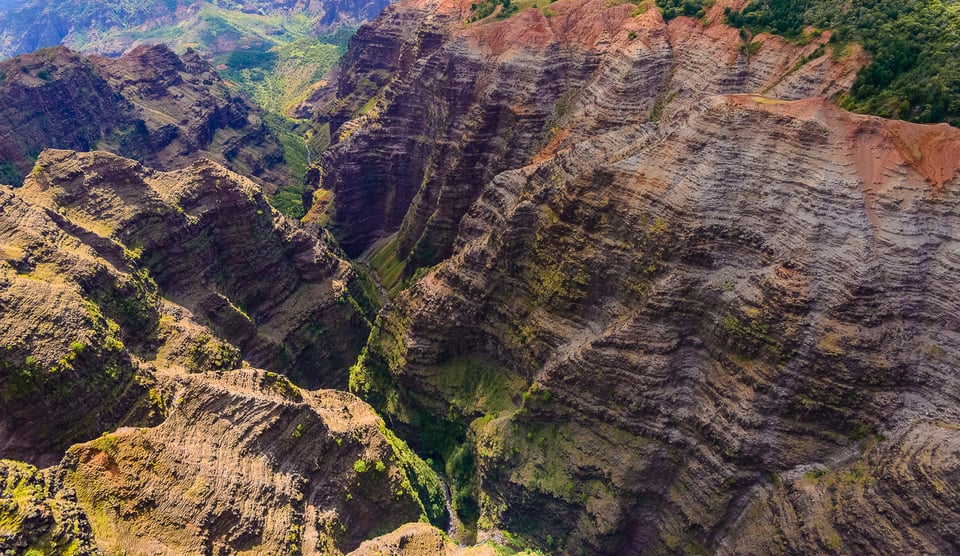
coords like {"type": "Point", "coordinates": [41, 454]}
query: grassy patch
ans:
{"type": "Point", "coordinates": [422, 479]}
{"type": "Point", "coordinates": [474, 387]}
{"type": "Point", "coordinates": [384, 261]}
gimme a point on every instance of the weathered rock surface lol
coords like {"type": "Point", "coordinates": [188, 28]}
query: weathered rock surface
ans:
{"type": "Point", "coordinates": [738, 327]}
{"type": "Point", "coordinates": [214, 245]}
{"type": "Point", "coordinates": [418, 539]}
{"type": "Point", "coordinates": [150, 105]}
{"type": "Point", "coordinates": [245, 462]}
{"type": "Point", "coordinates": [429, 108]}
{"type": "Point", "coordinates": [65, 371]}
{"type": "Point", "coordinates": [120, 306]}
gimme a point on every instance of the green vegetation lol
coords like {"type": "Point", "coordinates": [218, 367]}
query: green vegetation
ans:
{"type": "Point", "coordinates": [750, 336]}
{"type": "Point", "coordinates": [282, 385]}
{"type": "Point", "coordinates": [689, 8]}
{"type": "Point", "coordinates": [360, 466]}
{"type": "Point", "coordinates": [9, 175]}
{"type": "Point", "coordinates": [915, 71]}
{"type": "Point", "coordinates": [278, 76]}
{"type": "Point", "coordinates": [474, 387]}
{"type": "Point", "coordinates": [461, 468]}
{"type": "Point", "coordinates": [212, 354]}
{"type": "Point", "coordinates": [23, 494]}
{"type": "Point", "coordinates": [275, 60]}
{"type": "Point", "coordinates": [423, 480]}
{"type": "Point", "coordinates": [475, 390]}
{"type": "Point", "coordinates": [486, 8]}
{"type": "Point", "coordinates": [387, 265]}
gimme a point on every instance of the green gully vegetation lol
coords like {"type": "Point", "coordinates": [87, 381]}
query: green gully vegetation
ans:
{"type": "Point", "coordinates": [277, 79]}
{"type": "Point", "coordinates": [278, 75]}
{"type": "Point", "coordinates": [276, 60]}
{"type": "Point", "coordinates": [914, 45]}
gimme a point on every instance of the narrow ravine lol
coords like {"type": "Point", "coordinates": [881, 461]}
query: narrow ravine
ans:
{"type": "Point", "coordinates": [455, 528]}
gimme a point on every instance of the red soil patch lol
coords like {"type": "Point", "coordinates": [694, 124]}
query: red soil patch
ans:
{"type": "Point", "coordinates": [575, 23]}
{"type": "Point", "coordinates": [551, 149]}
{"type": "Point", "coordinates": [880, 148]}
{"type": "Point", "coordinates": [930, 150]}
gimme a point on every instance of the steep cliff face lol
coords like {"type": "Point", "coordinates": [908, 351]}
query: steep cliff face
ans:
{"type": "Point", "coordinates": [732, 331]}
{"type": "Point", "coordinates": [150, 105]}
{"type": "Point", "coordinates": [429, 108]}
{"type": "Point", "coordinates": [66, 372]}
{"type": "Point", "coordinates": [120, 306]}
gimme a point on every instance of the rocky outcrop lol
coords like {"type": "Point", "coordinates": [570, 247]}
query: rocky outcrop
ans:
{"type": "Point", "coordinates": [732, 330]}
{"type": "Point", "coordinates": [247, 462]}
{"type": "Point", "coordinates": [150, 105]}
{"type": "Point", "coordinates": [418, 539]}
{"type": "Point", "coordinates": [36, 520]}
{"type": "Point", "coordinates": [120, 306]}
{"type": "Point", "coordinates": [66, 370]}
{"type": "Point", "coordinates": [430, 108]}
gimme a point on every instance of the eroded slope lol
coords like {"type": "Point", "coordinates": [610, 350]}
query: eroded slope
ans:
{"type": "Point", "coordinates": [737, 328]}
{"type": "Point", "coordinates": [215, 246]}
{"type": "Point", "coordinates": [246, 462]}
{"type": "Point", "coordinates": [111, 269]}
{"type": "Point", "coordinates": [429, 108]}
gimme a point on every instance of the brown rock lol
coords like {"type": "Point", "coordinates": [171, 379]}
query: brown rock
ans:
{"type": "Point", "coordinates": [244, 462]}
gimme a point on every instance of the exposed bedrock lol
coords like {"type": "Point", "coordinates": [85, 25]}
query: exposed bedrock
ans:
{"type": "Point", "coordinates": [732, 331]}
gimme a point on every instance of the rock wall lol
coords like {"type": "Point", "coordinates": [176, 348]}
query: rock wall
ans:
{"type": "Point", "coordinates": [429, 108]}
{"type": "Point", "coordinates": [246, 461]}
{"type": "Point", "coordinates": [737, 329]}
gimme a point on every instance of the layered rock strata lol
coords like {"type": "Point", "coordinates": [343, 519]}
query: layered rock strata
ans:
{"type": "Point", "coordinates": [214, 245]}
{"type": "Point", "coordinates": [246, 462]}
{"type": "Point", "coordinates": [733, 331]}
{"type": "Point", "coordinates": [111, 270]}
{"type": "Point", "coordinates": [429, 108]}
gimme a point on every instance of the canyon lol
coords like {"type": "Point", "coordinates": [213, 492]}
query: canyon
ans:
{"type": "Point", "coordinates": [572, 279]}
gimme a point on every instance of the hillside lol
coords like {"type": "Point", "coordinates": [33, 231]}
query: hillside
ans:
{"type": "Point", "coordinates": [129, 310]}
{"type": "Point", "coordinates": [151, 105]}
{"type": "Point", "coordinates": [112, 28]}
{"type": "Point", "coordinates": [913, 74]}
